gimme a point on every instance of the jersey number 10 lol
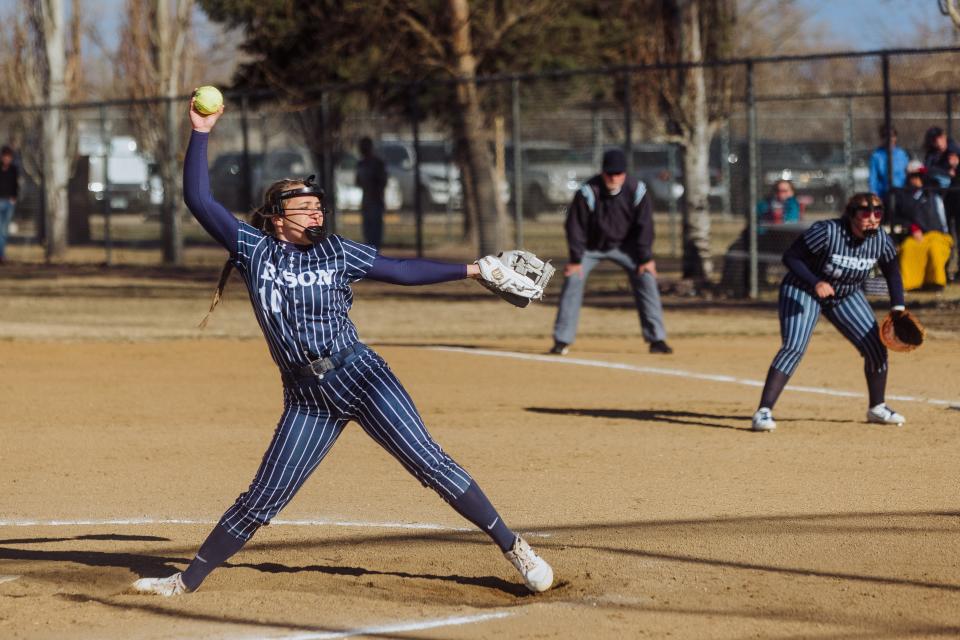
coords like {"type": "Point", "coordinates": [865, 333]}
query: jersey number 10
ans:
{"type": "Point", "coordinates": [275, 299]}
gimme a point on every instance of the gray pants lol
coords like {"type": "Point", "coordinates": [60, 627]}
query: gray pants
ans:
{"type": "Point", "coordinates": [645, 293]}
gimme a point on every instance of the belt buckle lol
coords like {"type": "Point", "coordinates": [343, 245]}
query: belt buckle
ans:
{"type": "Point", "coordinates": [323, 364]}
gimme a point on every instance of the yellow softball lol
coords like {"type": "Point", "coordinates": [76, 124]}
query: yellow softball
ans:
{"type": "Point", "coordinates": [207, 100]}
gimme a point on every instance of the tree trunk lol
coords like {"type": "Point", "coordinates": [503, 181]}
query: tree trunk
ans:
{"type": "Point", "coordinates": [491, 213]}
{"type": "Point", "coordinates": [697, 263]}
{"type": "Point", "coordinates": [56, 164]}
{"type": "Point", "coordinates": [171, 33]}
{"type": "Point", "coordinates": [470, 213]}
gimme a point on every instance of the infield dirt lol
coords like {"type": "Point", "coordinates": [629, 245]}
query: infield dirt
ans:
{"type": "Point", "coordinates": [662, 515]}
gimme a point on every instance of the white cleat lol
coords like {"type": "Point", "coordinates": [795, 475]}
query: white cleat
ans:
{"type": "Point", "coordinates": [537, 574]}
{"type": "Point", "coordinates": [882, 414]}
{"type": "Point", "coordinates": [763, 420]}
{"type": "Point", "coordinates": [166, 587]}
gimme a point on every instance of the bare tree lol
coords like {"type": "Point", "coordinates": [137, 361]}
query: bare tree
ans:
{"type": "Point", "coordinates": [951, 8]}
{"type": "Point", "coordinates": [686, 101]}
{"type": "Point", "coordinates": [49, 37]}
{"type": "Point", "coordinates": [442, 44]}
{"type": "Point", "coordinates": [21, 86]}
{"type": "Point", "coordinates": [491, 212]}
{"type": "Point", "coordinates": [151, 63]}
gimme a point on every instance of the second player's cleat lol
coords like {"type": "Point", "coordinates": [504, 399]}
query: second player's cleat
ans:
{"type": "Point", "coordinates": [659, 346]}
{"type": "Point", "coordinates": [882, 414]}
{"type": "Point", "coordinates": [763, 420]}
{"type": "Point", "coordinates": [537, 574]}
{"type": "Point", "coordinates": [169, 586]}
{"type": "Point", "coordinates": [560, 348]}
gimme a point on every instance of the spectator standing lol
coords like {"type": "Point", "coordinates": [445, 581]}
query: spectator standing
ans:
{"type": "Point", "coordinates": [8, 195]}
{"type": "Point", "coordinates": [780, 206]}
{"type": "Point", "coordinates": [921, 219]}
{"type": "Point", "coordinates": [372, 180]}
{"type": "Point", "coordinates": [879, 182]}
{"type": "Point", "coordinates": [951, 199]}
{"type": "Point", "coordinates": [611, 218]}
{"type": "Point", "coordinates": [935, 146]}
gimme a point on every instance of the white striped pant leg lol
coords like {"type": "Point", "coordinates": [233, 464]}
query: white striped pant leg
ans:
{"type": "Point", "coordinates": [799, 312]}
{"type": "Point", "coordinates": [387, 414]}
{"type": "Point", "coordinates": [854, 318]}
{"type": "Point", "coordinates": [303, 437]}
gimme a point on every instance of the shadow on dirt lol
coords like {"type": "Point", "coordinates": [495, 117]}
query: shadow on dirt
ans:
{"type": "Point", "coordinates": [511, 588]}
{"type": "Point", "coordinates": [99, 536]}
{"type": "Point", "coordinates": [668, 416]}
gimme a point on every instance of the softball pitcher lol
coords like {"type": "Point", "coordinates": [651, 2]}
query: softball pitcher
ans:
{"type": "Point", "coordinates": [298, 278]}
{"type": "Point", "coordinates": [827, 267]}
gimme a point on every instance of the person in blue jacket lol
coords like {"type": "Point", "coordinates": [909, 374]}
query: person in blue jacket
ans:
{"type": "Point", "coordinates": [879, 182]}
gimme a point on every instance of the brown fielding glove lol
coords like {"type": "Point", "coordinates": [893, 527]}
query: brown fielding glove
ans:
{"type": "Point", "coordinates": [901, 331]}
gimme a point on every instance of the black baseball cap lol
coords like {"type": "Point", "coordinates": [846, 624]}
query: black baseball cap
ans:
{"type": "Point", "coordinates": [614, 161]}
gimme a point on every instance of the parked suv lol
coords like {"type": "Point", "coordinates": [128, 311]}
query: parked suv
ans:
{"type": "Point", "coordinates": [226, 178]}
{"type": "Point", "coordinates": [439, 176]}
{"type": "Point", "coordinates": [132, 184]}
{"type": "Point", "coordinates": [551, 173]}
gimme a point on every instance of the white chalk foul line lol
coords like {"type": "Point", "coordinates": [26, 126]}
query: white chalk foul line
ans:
{"type": "Point", "coordinates": [680, 373]}
{"type": "Point", "coordinates": [399, 627]}
{"type": "Point", "coordinates": [7, 579]}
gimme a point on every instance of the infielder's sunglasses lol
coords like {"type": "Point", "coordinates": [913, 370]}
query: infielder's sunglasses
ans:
{"type": "Point", "coordinates": [866, 211]}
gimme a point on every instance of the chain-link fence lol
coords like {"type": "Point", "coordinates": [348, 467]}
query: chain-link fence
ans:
{"type": "Point", "coordinates": [812, 120]}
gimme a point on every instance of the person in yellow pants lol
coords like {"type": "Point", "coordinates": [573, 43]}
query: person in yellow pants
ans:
{"type": "Point", "coordinates": [921, 218]}
{"type": "Point", "coordinates": [923, 259]}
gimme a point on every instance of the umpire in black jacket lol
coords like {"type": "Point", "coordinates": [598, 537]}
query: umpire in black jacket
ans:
{"type": "Point", "coordinates": [611, 218]}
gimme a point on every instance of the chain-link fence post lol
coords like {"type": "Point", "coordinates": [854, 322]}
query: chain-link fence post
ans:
{"type": "Point", "coordinates": [417, 189]}
{"type": "Point", "coordinates": [888, 124]}
{"type": "Point", "coordinates": [326, 159]}
{"type": "Point", "coordinates": [517, 161]}
{"type": "Point", "coordinates": [848, 149]}
{"type": "Point", "coordinates": [753, 161]}
{"type": "Point", "coordinates": [725, 182]}
{"type": "Point", "coordinates": [105, 187]}
{"type": "Point", "coordinates": [949, 115]}
{"type": "Point", "coordinates": [672, 202]}
{"type": "Point", "coordinates": [172, 232]}
{"type": "Point", "coordinates": [246, 172]}
{"type": "Point", "coordinates": [628, 121]}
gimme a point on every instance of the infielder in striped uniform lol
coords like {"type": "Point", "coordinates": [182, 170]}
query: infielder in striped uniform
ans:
{"type": "Point", "coordinates": [298, 278]}
{"type": "Point", "coordinates": [827, 267]}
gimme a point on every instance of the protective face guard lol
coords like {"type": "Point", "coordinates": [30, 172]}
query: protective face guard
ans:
{"type": "Point", "coordinates": [315, 233]}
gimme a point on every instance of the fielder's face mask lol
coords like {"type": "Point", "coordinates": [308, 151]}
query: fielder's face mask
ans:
{"type": "Point", "coordinates": [314, 233]}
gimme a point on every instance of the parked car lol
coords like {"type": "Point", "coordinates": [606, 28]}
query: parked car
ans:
{"type": "Point", "coordinates": [551, 173]}
{"type": "Point", "coordinates": [816, 168]}
{"type": "Point", "coordinates": [439, 177]}
{"type": "Point", "coordinates": [129, 183]}
{"type": "Point", "coordinates": [226, 178]}
{"type": "Point", "coordinates": [663, 176]}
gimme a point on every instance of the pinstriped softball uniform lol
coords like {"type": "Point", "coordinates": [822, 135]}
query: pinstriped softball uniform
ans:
{"type": "Point", "coordinates": [852, 316]}
{"type": "Point", "coordinates": [844, 261]}
{"type": "Point", "coordinates": [301, 300]}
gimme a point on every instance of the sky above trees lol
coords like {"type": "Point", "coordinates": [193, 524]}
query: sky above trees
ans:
{"type": "Point", "coordinates": [879, 24]}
